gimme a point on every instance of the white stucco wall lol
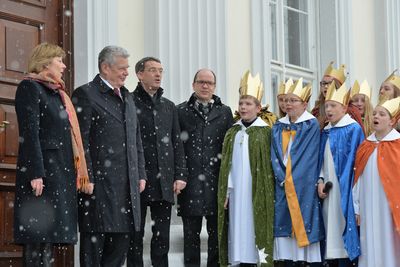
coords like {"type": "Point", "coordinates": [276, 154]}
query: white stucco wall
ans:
{"type": "Point", "coordinates": [368, 44]}
{"type": "Point", "coordinates": [131, 34]}
{"type": "Point", "coordinates": [238, 47]}
{"type": "Point", "coordinates": [122, 22]}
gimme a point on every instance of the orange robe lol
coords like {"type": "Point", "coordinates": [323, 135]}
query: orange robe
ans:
{"type": "Point", "coordinates": [388, 158]}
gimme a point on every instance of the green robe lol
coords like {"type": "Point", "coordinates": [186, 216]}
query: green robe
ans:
{"type": "Point", "coordinates": [262, 191]}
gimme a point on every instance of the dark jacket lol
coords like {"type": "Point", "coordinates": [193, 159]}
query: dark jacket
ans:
{"type": "Point", "coordinates": [163, 148]}
{"type": "Point", "coordinates": [114, 155]}
{"type": "Point", "coordinates": [45, 150]}
{"type": "Point", "coordinates": [203, 146]}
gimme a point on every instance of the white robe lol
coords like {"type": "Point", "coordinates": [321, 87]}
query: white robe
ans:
{"type": "Point", "coordinates": [380, 243]}
{"type": "Point", "coordinates": [285, 248]}
{"type": "Point", "coordinates": [241, 236]}
{"type": "Point", "coordinates": [334, 220]}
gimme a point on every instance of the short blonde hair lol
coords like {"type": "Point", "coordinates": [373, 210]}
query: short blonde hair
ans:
{"type": "Point", "coordinates": [42, 55]}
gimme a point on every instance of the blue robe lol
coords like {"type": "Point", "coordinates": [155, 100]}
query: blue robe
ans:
{"type": "Point", "coordinates": [344, 142]}
{"type": "Point", "coordinates": [305, 173]}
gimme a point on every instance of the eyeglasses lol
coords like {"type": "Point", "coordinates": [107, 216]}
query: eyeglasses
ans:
{"type": "Point", "coordinates": [155, 70]}
{"type": "Point", "coordinates": [324, 83]}
{"type": "Point", "coordinates": [209, 83]}
{"type": "Point", "coordinates": [291, 100]}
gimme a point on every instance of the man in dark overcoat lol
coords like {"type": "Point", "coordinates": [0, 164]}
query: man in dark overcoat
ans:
{"type": "Point", "coordinates": [114, 154]}
{"type": "Point", "coordinates": [165, 160]}
{"type": "Point", "coordinates": [204, 121]}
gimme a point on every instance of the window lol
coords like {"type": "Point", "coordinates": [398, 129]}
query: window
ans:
{"type": "Point", "coordinates": [292, 42]}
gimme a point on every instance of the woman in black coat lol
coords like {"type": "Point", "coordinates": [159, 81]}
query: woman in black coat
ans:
{"type": "Point", "coordinates": [50, 163]}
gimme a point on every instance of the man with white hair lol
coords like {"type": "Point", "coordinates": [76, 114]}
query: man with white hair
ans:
{"type": "Point", "coordinates": [114, 155]}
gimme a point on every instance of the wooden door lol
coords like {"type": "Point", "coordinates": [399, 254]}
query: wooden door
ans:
{"type": "Point", "coordinates": [23, 25]}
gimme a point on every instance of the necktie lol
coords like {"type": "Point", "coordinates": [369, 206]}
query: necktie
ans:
{"type": "Point", "coordinates": [117, 92]}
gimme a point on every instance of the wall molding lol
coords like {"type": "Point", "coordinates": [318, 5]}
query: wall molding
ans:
{"type": "Point", "coordinates": [185, 36]}
{"type": "Point", "coordinates": [95, 26]}
{"type": "Point", "coordinates": [393, 33]}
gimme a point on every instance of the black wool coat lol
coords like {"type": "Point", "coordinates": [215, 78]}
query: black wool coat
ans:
{"type": "Point", "coordinates": [163, 148]}
{"type": "Point", "coordinates": [114, 156]}
{"type": "Point", "coordinates": [203, 146]}
{"type": "Point", "coordinates": [45, 150]}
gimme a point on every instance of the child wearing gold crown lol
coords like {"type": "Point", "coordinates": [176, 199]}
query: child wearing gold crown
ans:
{"type": "Point", "coordinates": [283, 90]}
{"type": "Point", "coordinates": [360, 96]}
{"type": "Point", "coordinates": [339, 142]}
{"type": "Point", "coordinates": [376, 190]}
{"type": "Point", "coordinates": [390, 88]}
{"type": "Point", "coordinates": [298, 227]}
{"type": "Point", "coordinates": [246, 185]}
{"type": "Point", "coordinates": [337, 77]}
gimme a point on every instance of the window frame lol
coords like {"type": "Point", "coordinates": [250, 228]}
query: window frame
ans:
{"type": "Point", "coordinates": [278, 66]}
{"type": "Point", "coordinates": [338, 51]}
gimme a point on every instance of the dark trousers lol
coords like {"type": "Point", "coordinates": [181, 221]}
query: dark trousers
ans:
{"type": "Point", "coordinates": [38, 254]}
{"type": "Point", "coordinates": [191, 239]}
{"type": "Point", "coordinates": [341, 263]}
{"type": "Point", "coordinates": [103, 249]}
{"type": "Point", "coordinates": [288, 263]}
{"type": "Point", "coordinates": [160, 212]}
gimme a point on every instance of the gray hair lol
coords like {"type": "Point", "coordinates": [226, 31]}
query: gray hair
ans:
{"type": "Point", "coordinates": [109, 53]}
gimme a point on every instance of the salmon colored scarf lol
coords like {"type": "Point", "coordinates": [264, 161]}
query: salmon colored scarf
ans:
{"type": "Point", "coordinates": [388, 161]}
{"type": "Point", "coordinates": [51, 82]}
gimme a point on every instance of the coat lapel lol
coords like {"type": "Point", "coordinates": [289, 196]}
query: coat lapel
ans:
{"type": "Point", "coordinates": [103, 99]}
{"type": "Point", "coordinates": [214, 113]}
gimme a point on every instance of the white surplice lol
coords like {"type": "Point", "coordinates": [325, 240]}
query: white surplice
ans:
{"type": "Point", "coordinates": [380, 243]}
{"type": "Point", "coordinates": [241, 236]}
{"type": "Point", "coordinates": [334, 220]}
{"type": "Point", "coordinates": [286, 248]}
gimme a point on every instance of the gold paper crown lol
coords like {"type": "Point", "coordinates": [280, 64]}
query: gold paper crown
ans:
{"type": "Point", "coordinates": [284, 87]}
{"type": "Point", "coordinates": [303, 92]}
{"type": "Point", "coordinates": [341, 95]}
{"type": "Point", "coordinates": [392, 105]}
{"type": "Point", "coordinates": [338, 74]}
{"type": "Point", "coordinates": [252, 86]}
{"type": "Point", "coordinates": [362, 89]}
{"type": "Point", "coordinates": [394, 79]}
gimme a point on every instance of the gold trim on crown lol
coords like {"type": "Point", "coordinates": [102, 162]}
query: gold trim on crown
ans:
{"type": "Point", "coordinates": [338, 74]}
{"type": "Point", "coordinates": [284, 87]}
{"type": "Point", "coordinates": [362, 89]}
{"type": "Point", "coordinates": [303, 92]}
{"type": "Point", "coordinates": [394, 79]}
{"type": "Point", "coordinates": [341, 95]}
{"type": "Point", "coordinates": [392, 105]}
{"type": "Point", "coordinates": [252, 86]}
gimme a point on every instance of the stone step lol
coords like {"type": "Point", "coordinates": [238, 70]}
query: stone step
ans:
{"type": "Point", "coordinates": [175, 256]}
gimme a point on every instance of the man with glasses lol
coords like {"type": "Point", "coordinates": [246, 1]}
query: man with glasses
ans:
{"type": "Point", "coordinates": [164, 161]}
{"type": "Point", "coordinates": [204, 121]}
